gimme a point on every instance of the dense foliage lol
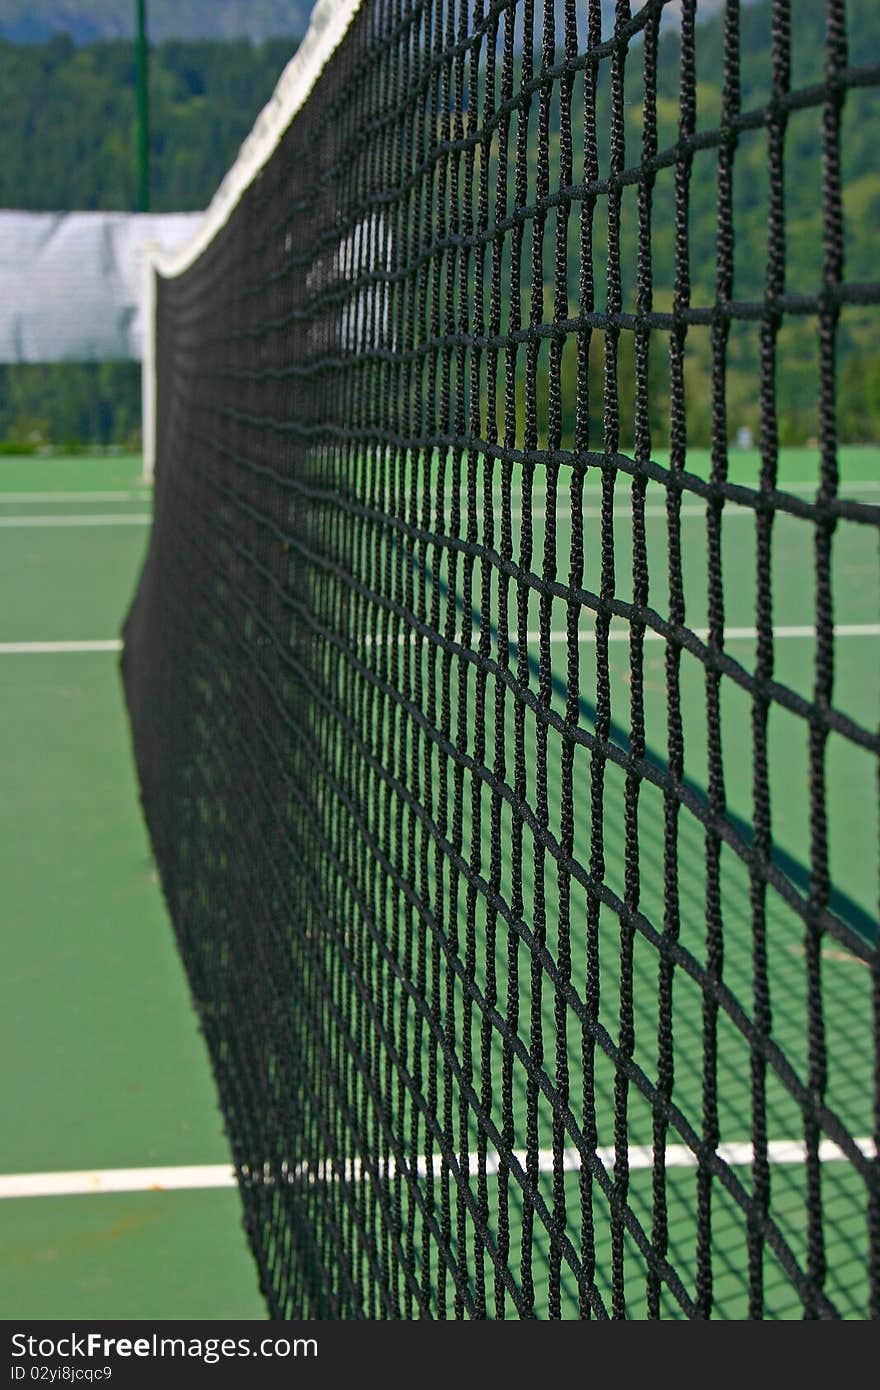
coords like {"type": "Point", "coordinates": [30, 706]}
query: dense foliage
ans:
{"type": "Point", "coordinates": [67, 120]}
{"type": "Point", "coordinates": [32, 21]}
{"type": "Point", "coordinates": [67, 127]}
{"type": "Point", "coordinates": [205, 96]}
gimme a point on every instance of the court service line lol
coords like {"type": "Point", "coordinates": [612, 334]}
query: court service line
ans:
{"type": "Point", "coordinates": [620, 633]}
{"type": "Point", "coordinates": [108, 519]}
{"type": "Point", "coordinates": [169, 1179]}
{"type": "Point", "coordinates": [738, 1154]}
{"type": "Point", "coordinates": [11, 499]}
{"type": "Point", "coordinates": [114, 644]}
{"type": "Point", "coordinates": [116, 1180]}
{"type": "Point", "coordinates": [622, 513]}
{"type": "Point", "coordinates": [845, 489]}
{"type": "Point", "coordinates": [731, 634]}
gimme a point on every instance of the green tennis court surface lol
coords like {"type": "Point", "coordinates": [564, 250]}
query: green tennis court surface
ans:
{"type": "Point", "coordinates": [540, 1005]}
{"type": "Point", "coordinates": [105, 1067]}
{"type": "Point", "coordinates": [110, 1072]}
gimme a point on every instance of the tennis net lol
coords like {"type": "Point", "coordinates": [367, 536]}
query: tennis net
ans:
{"type": "Point", "coordinates": [507, 736]}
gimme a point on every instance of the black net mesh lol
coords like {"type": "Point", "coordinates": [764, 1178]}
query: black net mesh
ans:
{"type": "Point", "coordinates": [508, 737]}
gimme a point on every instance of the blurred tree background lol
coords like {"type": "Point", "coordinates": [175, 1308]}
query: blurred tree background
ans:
{"type": "Point", "coordinates": [67, 126]}
{"type": "Point", "coordinates": [32, 21]}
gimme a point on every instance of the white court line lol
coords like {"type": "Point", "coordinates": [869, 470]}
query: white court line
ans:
{"type": "Point", "coordinates": [731, 634]}
{"type": "Point", "coordinates": [108, 519]}
{"type": "Point", "coordinates": [622, 634]}
{"type": "Point", "coordinates": [857, 485]}
{"type": "Point", "coordinates": [732, 511]}
{"type": "Point", "coordinates": [116, 1180]}
{"type": "Point", "coordinates": [51, 648]}
{"type": "Point", "coordinates": [641, 1157]}
{"type": "Point", "coordinates": [869, 484]}
{"type": "Point", "coordinates": [11, 499]}
{"type": "Point", "coordinates": [694, 507]}
{"type": "Point", "coordinates": [843, 489]}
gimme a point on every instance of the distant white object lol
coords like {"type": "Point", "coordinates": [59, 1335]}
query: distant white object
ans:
{"type": "Point", "coordinates": [744, 438]}
{"type": "Point", "coordinates": [327, 28]}
{"type": "Point", "coordinates": [72, 284]}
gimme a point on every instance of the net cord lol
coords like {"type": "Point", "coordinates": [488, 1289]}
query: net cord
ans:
{"type": "Point", "coordinates": [329, 23]}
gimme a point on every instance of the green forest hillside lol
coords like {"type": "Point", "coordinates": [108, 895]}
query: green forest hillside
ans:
{"type": "Point", "coordinates": [67, 129]}
{"type": "Point", "coordinates": [33, 21]}
{"type": "Point", "coordinates": [67, 120]}
{"type": "Point", "coordinates": [797, 373]}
